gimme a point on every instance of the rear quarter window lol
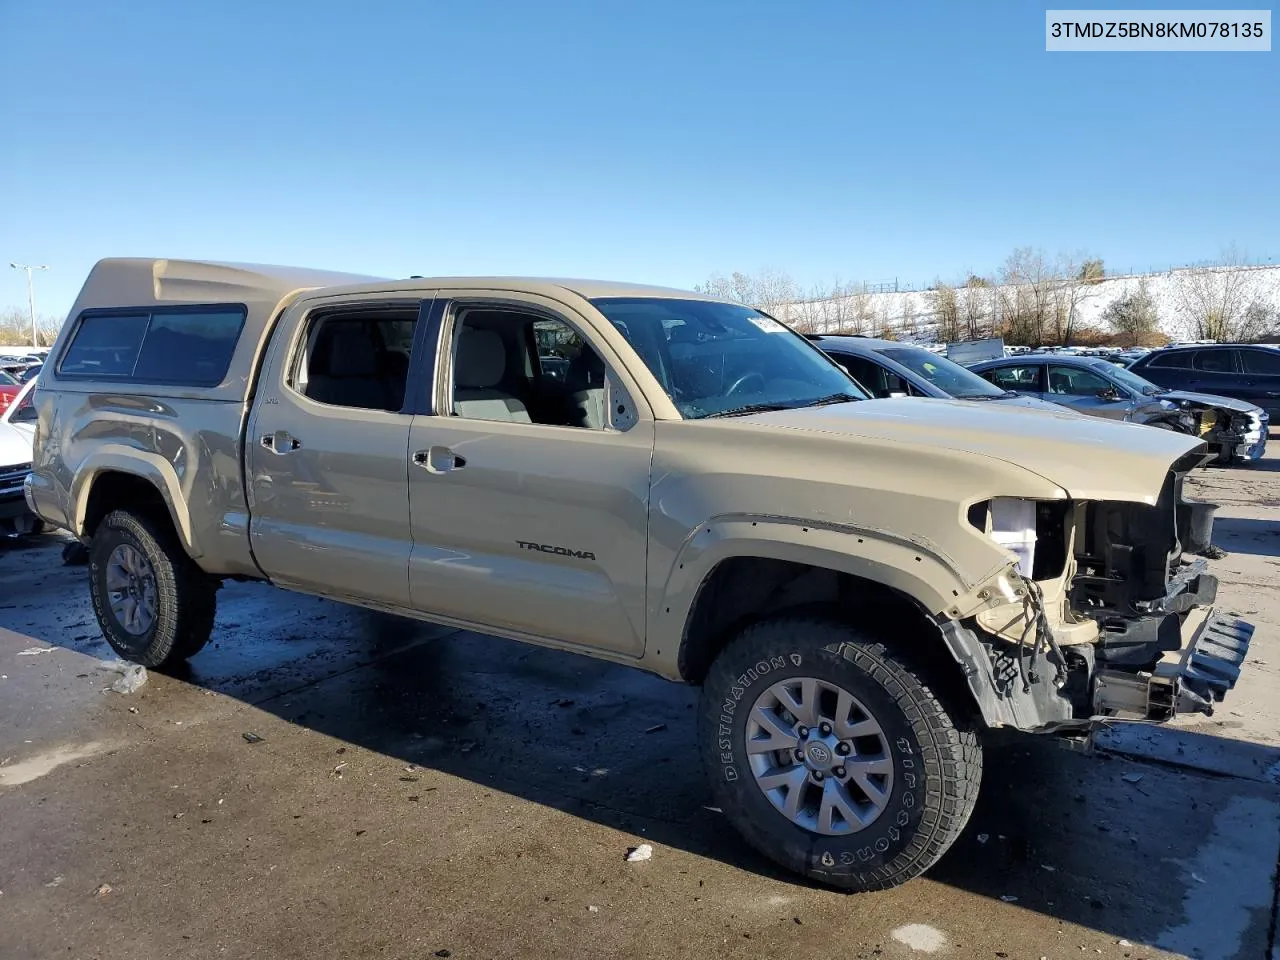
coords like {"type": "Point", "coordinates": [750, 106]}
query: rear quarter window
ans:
{"type": "Point", "coordinates": [1261, 361]}
{"type": "Point", "coordinates": [185, 346]}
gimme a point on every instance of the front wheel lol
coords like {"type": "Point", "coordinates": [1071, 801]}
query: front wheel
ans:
{"type": "Point", "coordinates": [832, 754]}
{"type": "Point", "coordinates": [155, 606]}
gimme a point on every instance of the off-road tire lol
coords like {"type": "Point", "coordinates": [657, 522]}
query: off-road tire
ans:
{"type": "Point", "coordinates": [186, 598]}
{"type": "Point", "coordinates": [934, 746]}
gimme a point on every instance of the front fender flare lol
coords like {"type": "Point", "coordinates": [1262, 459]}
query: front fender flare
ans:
{"type": "Point", "coordinates": [917, 568]}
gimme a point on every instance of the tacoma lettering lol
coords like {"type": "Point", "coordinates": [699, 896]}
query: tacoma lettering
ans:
{"type": "Point", "coordinates": [558, 551]}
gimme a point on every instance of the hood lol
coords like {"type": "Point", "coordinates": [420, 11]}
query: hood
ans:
{"type": "Point", "coordinates": [26, 428]}
{"type": "Point", "coordinates": [1035, 403]}
{"type": "Point", "coordinates": [15, 445]}
{"type": "Point", "coordinates": [1209, 400]}
{"type": "Point", "coordinates": [1089, 457]}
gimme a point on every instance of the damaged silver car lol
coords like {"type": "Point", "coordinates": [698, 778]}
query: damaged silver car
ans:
{"type": "Point", "coordinates": [1232, 429]}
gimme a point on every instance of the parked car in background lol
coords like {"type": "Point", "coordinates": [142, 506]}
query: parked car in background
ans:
{"type": "Point", "coordinates": [1232, 428]}
{"type": "Point", "coordinates": [1247, 372]}
{"type": "Point", "coordinates": [30, 373]}
{"type": "Point", "coordinates": [9, 390]}
{"type": "Point", "coordinates": [17, 435]}
{"type": "Point", "coordinates": [886, 368]}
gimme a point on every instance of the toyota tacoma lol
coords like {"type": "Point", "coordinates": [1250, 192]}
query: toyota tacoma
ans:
{"type": "Point", "coordinates": [860, 587]}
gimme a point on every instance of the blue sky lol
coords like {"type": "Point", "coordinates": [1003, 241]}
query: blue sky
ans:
{"type": "Point", "coordinates": [656, 142]}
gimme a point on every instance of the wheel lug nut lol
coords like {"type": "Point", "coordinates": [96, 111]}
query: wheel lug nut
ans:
{"type": "Point", "coordinates": [838, 772]}
{"type": "Point", "coordinates": [802, 731]}
{"type": "Point", "coordinates": [842, 749]}
{"type": "Point", "coordinates": [800, 755]}
{"type": "Point", "coordinates": [817, 775]}
{"type": "Point", "coordinates": [825, 729]}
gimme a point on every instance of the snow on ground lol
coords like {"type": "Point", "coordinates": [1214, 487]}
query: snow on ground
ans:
{"type": "Point", "coordinates": [1261, 284]}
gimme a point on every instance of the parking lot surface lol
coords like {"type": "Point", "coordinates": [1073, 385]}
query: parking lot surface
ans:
{"type": "Point", "coordinates": [327, 782]}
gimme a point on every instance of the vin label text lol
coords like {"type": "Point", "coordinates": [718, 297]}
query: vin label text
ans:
{"type": "Point", "coordinates": [1130, 31]}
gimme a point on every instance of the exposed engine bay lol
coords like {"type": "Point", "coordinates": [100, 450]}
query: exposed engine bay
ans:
{"type": "Point", "coordinates": [1116, 619]}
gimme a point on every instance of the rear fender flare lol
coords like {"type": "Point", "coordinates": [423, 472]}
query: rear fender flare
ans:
{"type": "Point", "coordinates": [150, 467]}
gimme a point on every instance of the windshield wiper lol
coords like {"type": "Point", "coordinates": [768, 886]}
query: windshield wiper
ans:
{"type": "Point", "coordinates": [987, 396]}
{"type": "Point", "coordinates": [748, 409]}
{"type": "Point", "coordinates": [828, 400]}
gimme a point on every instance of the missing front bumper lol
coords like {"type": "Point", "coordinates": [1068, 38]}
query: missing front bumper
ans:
{"type": "Point", "coordinates": [1189, 680]}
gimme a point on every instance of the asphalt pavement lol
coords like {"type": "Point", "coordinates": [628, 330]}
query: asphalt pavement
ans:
{"type": "Point", "coordinates": [328, 782]}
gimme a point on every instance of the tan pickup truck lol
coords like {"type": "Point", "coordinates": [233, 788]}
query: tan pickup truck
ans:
{"type": "Point", "coordinates": [654, 477]}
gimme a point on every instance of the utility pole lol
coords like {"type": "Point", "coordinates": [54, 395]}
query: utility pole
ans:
{"type": "Point", "coordinates": [31, 296]}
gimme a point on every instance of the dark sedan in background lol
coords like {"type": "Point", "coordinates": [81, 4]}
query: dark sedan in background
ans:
{"type": "Point", "coordinates": [1249, 373]}
{"type": "Point", "coordinates": [1233, 429]}
{"type": "Point", "coordinates": [887, 368]}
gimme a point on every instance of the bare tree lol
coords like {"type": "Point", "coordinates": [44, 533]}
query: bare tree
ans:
{"type": "Point", "coordinates": [1027, 285]}
{"type": "Point", "coordinates": [946, 312]}
{"type": "Point", "coordinates": [1213, 302]}
{"type": "Point", "coordinates": [773, 289]}
{"type": "Point", "coordinates": [1078, 279]}
{"type": "Point", "coordinates": [15, 328]}
{"type": "Point", "coordinates": [909, 322]}
{"type": "Point", "coordinates": [974, 302]}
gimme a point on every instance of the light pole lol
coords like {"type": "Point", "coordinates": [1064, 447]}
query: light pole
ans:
{"type": "Point", "coordinates": [31, 295]}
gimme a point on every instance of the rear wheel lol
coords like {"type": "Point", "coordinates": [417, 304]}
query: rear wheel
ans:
{"type": "Point", "coordinates": [833, 754]}
{"type": "Point", "coordinates": [155, 606]}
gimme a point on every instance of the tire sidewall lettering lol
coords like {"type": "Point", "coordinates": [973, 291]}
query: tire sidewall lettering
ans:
{"type": "Point", "coordinates": [729, 708]}
{"type": "Point", "coordinates": [859, 851]}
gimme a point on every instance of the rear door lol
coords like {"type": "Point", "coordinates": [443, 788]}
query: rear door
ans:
{"type": "Point", "coordinates": [1261, 378]}
{"type": "Point", "coordinates": [327, 449]}
{"type": "Point", "coordinates": [1215, 370]}
{"type": "Point", "coordinates": [529, 497]}
{"type": "Point", "coordinates": [1087, 391]}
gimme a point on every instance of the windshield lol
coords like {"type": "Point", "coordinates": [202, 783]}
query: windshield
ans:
{"type": "Point", "coordinates": [1130, 379]}
{"type": "Point", "coordinates": [945, 374]}
{"type": "Point", "coordinates": [723, 358]}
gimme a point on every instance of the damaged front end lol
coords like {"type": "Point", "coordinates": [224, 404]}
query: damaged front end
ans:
{"type": "Point", "coordinates": [1115, 620]}
{"type": "Point", "coordinates": [1231, 433]}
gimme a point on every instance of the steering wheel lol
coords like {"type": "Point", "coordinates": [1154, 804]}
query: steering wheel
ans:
{"type": "Point", "coordinates": [737, 384]}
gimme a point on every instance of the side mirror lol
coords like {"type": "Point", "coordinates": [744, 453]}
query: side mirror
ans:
{"type": "Point", "coordinates": [1109, 393]}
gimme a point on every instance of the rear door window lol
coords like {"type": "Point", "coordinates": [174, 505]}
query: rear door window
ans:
{"type": "Point", "coordinates": [1023, 378]}
{"type": "Point", "coordinates": [1215, 361]}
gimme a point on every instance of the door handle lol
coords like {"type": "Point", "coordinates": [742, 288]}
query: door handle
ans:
{"type": "Point", "coordinates": [438, 460]}
{"type": "Point", "coordinates": [280, 442]}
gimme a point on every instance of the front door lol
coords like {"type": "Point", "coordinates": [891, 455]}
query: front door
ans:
{"type": "Point", "coordinates": [529, 479]}
{"type": "Point", "coordinates": [1087, 392]}
{"type": "Point", "coordinates": [327, 452]}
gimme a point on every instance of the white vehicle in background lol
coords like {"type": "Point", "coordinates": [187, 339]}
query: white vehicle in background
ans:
{"type": "Point", "coordinates": [17, 436]}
